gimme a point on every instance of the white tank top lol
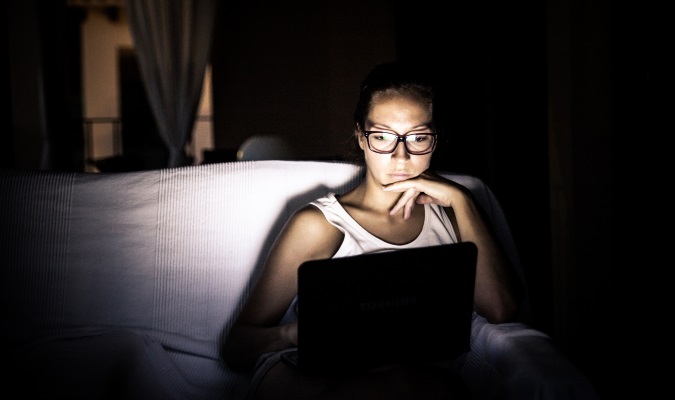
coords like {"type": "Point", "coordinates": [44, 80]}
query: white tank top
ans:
{"type": "Point", "coordinates": [436, 230]}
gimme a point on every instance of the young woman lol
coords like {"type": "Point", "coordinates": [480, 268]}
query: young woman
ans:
{"type": "Point", "coordinates": [400, 204]}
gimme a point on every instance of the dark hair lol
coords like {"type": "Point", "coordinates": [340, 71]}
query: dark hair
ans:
{"type": "Point", "coordinates": [396, 77]}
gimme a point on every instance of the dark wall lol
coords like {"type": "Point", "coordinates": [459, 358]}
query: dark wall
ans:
{"type": "Point", "coordinates": [282, 68]}
{"type": "Point", "coordinates": [6, 135]}
{"type": "Point", "coordinates": [44, 89]}
{"type": "Point", "coordinates": [609, 77]}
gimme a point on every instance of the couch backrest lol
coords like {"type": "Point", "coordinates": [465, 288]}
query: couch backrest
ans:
{"type": "Point", "coordinates": [170, 252]}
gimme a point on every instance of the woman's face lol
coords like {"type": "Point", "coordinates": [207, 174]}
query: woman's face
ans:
{"type": "Point", "coordinates": [400, 114]}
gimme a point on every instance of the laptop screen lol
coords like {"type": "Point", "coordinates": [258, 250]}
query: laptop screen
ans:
{"type": "Point", "coordinates": [411, 305]}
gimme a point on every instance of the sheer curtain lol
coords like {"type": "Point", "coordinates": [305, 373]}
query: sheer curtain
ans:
{"type": "Point", "coordinates": [173, 41]}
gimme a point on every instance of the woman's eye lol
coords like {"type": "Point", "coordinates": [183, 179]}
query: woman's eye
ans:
{"type": "Point", "coordinates": [384, 137]}
{"type": "Point", "coordinates": [419, 138]}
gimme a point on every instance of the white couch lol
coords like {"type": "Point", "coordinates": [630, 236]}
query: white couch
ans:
{"type": "Point", "coordinates": [126, 283]}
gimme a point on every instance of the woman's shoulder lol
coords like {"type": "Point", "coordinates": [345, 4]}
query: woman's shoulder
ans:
{"type": "Point", "coordinates": [309, 214]}
{"type": "Point", "coordinates": [312, 221]}
{"type": "Point", "coordinates": [309, 229]}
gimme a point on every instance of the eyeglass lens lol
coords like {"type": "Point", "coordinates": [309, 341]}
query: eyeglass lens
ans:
{"type": "Point", "coordinates": [386, 142]}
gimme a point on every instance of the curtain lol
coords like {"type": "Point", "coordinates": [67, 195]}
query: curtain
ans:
{"type": "Point", "coordinates": [173, 41]}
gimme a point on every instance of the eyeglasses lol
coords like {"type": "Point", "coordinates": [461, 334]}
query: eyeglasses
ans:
{"type": "Point", "coordinates": [386, 142]}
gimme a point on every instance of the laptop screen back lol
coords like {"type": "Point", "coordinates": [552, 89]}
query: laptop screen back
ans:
{"type": "Point", "coordinates": [412, 305]}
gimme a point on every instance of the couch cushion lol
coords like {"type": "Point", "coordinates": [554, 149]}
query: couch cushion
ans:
{"type": "Point", "coordinates": [169, 253]}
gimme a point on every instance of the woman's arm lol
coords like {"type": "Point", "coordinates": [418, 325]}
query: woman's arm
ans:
{"type": "Point", "coordinates": [306, 236]}
{"type": "Point", "coordinates": [497, 290]}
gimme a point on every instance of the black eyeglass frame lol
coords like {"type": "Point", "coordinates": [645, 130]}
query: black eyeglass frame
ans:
{"type": "Point", "coordinates": [401, 138]}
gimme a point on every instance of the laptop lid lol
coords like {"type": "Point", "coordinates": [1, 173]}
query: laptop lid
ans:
{"type": "Point", "coordinates": [411, 305]}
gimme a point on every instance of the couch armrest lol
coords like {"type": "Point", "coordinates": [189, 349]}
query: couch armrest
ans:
{"type": "Point", "coordinates": [514, 361]}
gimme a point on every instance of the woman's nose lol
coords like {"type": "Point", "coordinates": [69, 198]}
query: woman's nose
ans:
{"type": "Point", "coordinates": [400, 151]}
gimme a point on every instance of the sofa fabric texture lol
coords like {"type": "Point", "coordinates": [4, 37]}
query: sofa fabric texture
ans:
{"type": "Point", "coordinates": [124, 284]}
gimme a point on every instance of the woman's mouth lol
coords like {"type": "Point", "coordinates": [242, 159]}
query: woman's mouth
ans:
{"type": "Point", "coordinates": [399, 176]}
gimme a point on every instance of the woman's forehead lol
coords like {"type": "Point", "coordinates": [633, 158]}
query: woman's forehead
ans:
{"type": "Point", "coordinates": [401, 93]}
{"type": "Point", "coordinates": [396, 108]}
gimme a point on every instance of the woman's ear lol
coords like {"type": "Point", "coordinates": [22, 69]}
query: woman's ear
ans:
{"type": "Point", "coordinates": [360, 138]}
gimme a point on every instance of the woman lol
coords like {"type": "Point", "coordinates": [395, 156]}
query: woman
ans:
{"type": "Point", "coordinates": [399, 204]}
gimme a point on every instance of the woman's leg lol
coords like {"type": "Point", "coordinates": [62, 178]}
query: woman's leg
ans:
{"type": "Point", "coordinates": [392, 383]}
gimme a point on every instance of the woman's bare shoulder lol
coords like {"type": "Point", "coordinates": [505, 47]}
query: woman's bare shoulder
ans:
{"type": "Point", "coordinates": [309, 225]}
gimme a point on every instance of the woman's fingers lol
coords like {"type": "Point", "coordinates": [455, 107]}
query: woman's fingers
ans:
{"type": "Point", "coordinates": [422, 189]}
{"type": "Point", "coordinates": [406, 202]}
{"type": "Point", "coordinates": [409, 205]}
{"type": "Point", "coordinates": [424, 198]}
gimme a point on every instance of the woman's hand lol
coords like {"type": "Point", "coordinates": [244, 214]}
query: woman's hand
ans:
{"type": "Point", "coordinates": [426, 188]}
{"type": "Point", "coordinates": [290, 332]}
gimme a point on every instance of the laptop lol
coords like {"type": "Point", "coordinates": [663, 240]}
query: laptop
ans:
{"type": "Point", "coordinates": [360, 312]}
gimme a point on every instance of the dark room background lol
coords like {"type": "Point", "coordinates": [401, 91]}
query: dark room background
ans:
{"type": "Point", "coordinates": [543, 94]}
